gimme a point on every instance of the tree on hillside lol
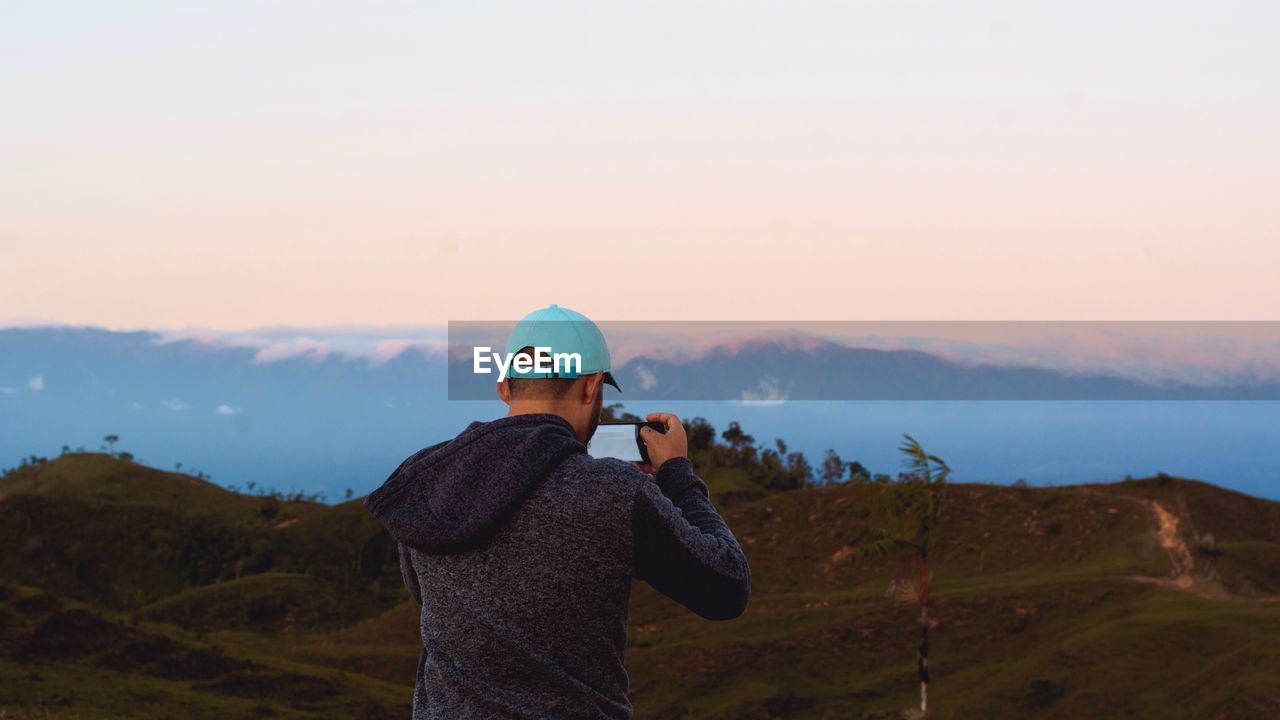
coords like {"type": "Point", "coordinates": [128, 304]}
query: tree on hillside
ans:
{"type": "Point", "coordinates": [858, 472]}
{"type": "Point", "coordinates": [769, 468]}
{"type": "Point", "coordinates": [111, 441]}
{"type": "Point", "coordinates": [614, 412]}
{"type": "Point", "coordinates": [832, 468]}
{"type": "Point", "coordinates": [780, 469]}
{"type": "Point", "coordinates": [799, 473]}
{"type": "Point", "coordinates": [742, 447]}
{"type": "Point", "coordinates": [909, 510]}
{"type": "Point", "coordinates": [700, 433]}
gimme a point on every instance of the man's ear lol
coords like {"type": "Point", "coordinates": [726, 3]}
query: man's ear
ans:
{"type": "Point", "coordinates": [504, 392]}
{"type": "Point", "coordinates": [594, 384]}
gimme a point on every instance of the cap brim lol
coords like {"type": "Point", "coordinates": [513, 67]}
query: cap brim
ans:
{"type": "Point", "coordinates": [608, 378]}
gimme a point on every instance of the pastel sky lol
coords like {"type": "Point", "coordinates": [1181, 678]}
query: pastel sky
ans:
{"type": "Point", "coordinates": [237, 164]}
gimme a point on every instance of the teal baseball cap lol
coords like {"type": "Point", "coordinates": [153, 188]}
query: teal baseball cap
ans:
{"type": "Point", "coordinates": [563, 331]}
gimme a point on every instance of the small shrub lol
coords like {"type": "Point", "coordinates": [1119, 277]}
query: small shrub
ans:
{"type": "Point", "coordinates": [1044, 693]}
{"type": "Point", "coordinates": [269, 509]}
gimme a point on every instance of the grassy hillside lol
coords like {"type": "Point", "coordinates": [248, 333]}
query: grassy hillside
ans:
{"type": "Point", "coordinates": [124, 536]}
{"type": "Point", "coordinates": [266, 603]}
{"type": "Point", "coordinates": [66, 660]}
{"type": "Point", "coordinates": [100, 478]}
{"type": "Point", "coordinates": [1055, 603]}
{"type": "Point", "coordinates": [1146, 599]}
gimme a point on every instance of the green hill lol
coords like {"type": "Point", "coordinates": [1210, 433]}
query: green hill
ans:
{"type": "Point", "coordinates": [1154, 598]}
{"type": "Point", "coordinates": [732, 486]}
{"type": "Point", "coordinates": [1054, 603]}
{"type": "Point", "coordinates": [266, 603]}
{"type": "Point", "coordinates": [66, 660]}
{"type": "Point", "coordinates": [101, 478]}
{"type": "Point", "coordinates": [123, 536]}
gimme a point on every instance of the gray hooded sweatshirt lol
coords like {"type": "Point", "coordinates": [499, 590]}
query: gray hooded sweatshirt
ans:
{"type": "Point", "coordinates": [522, 548]}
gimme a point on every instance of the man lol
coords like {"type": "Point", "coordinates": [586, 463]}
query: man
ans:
{"type": "Point", "coordinates": [522, 548]}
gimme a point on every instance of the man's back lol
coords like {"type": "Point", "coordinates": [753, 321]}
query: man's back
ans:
{"type": "Point", "coordinates": [522, 549]}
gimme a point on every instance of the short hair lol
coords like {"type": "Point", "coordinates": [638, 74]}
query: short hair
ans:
{"type": "Point", "coordinates": [538, 388]}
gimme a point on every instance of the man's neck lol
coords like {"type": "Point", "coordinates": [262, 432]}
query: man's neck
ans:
{"type": "Point", "coordinates": [530, 407]}
{"type": "Point", "coordinates": [551, 407]}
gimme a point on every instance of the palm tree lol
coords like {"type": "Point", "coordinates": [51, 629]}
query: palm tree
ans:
{"type": "Point", "coordinates": [910, 509]}
{"type": "Point", "coordinates": [111, 441]}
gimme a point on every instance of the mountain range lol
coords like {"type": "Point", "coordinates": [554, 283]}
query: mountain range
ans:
{"type": "Point", "coordinates": [296, 415]}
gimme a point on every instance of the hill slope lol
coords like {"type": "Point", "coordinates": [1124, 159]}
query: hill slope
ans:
{"type": "Point", "coordinates": [1153, 598]}
{"type": "Point", "coordinates": [96, 477]}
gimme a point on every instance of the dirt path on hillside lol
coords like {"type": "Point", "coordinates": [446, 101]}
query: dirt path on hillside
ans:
{"type": "Point", "coordinates": [1167, 534]}
{"type": "Point", "coordinates": [1170, 539]}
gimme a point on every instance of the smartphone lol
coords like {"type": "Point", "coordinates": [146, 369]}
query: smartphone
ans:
{"type": "Point", "coordinates": [622, 441]}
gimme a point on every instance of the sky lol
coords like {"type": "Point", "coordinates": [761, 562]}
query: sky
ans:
{"type": "Point", "coordinates": [235, 165]}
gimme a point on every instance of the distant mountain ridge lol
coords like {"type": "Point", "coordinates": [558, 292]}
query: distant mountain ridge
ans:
{"type": "Point", "coordinates": [766, 370]}
{"type": "Point", "coordinates": [772, 369]}
{"type": "Point", "coordinates": [320, 420]}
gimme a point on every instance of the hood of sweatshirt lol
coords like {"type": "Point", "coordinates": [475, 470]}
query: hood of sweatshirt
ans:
{"type": "Point", "coordinates": [454, 496]}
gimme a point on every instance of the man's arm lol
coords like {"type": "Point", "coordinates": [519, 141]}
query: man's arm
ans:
{"type": "Point", "coordinates": [409, 574]}
{"type": "Point", "coordinates": [682, 547]}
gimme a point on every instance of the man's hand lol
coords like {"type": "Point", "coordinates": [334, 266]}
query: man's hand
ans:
{"type": "Point", "coordinates": [662, 447]}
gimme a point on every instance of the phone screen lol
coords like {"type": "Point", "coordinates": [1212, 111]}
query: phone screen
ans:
{"type": "Point", "coordinates": [615, 441]}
